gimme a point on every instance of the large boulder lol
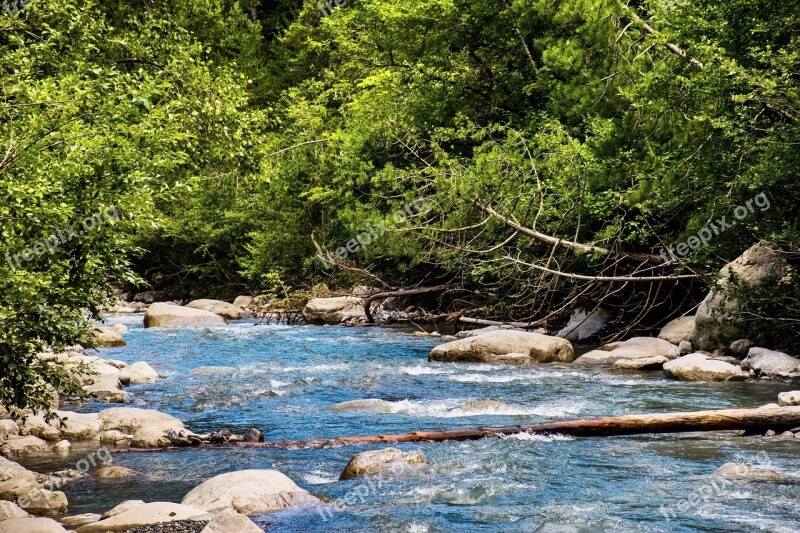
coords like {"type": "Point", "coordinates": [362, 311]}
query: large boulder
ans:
{"type": "Point", "coordinates": [251, 492]}
{"type": "Point", "coordinates": [243, 302]}
{"type": "Point", "coordinates": [583, 325]}
{"type": "Point", "coordinates": [106, 388]}
{"type": "Point", "coordinates": [678, 331]}
{"type": "Point", "coordinates": [700, 367]}
{"type": "Point", "coordinates": [334, 310]}
{"type": "Point", "coordinates": [162, 315]}
{"type": "Point", "coordinates": [632, 349]}
{"type": "Point", "coordinates": [31, 525]}
{"type": "Point", "coordinates": [15, 480]}
{"type": "Point", "coordinates": [148, 427]}
{"type": "Point", "coordinates": [146, 514]}
{"type": "Point", "coordinates": [229, 521]}
{"type": "Point", "coordinates": [42, 502]}
{"type": "Point", "coordinates": [494, 346]}
{"type": "Point", "coordinates": [106, 337]}
{"type": "Point", "coordinates": [374, 462]}
{"type": "Point", "coordinates": [16, 446]}
{"type": "Point", "coordinates": [78, 426]}
{"type": "Point", "coordinates": [218, 307]}
{"type": "Point", "coordinates": [10, 510]}
{"type": "Point", "coordinates": [772, 364]}
{"type": "Point", "coordinates": [712, 327]}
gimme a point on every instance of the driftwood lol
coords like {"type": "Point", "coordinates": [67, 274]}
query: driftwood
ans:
{"type": "Point", "coordinates": [484, 322]}
{"type": "Point", "coordinates": [752, 421]}
{"type": "Point", "coordinates": [403, 292]}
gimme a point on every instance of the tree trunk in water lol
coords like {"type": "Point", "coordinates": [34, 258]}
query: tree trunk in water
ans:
{"type": "Point", "coordinates": [752, 420]}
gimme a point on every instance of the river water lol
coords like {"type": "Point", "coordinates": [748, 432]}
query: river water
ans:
{"type": "Point", "coordinates": [304, 382]}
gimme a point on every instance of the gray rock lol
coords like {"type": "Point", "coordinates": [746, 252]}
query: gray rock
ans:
{"type": "Point", "coordinates": [218, 307]}
{"type": "Point", "coordinates": [685, 347]}
{"type": "Point", "coordinates": [700, 367]}
{"type": "Point", "coordinates": [253, 435]}
{"type": "Point", "coordinates": [162, 315]}
{"type": "Point", "coordinates": [769, 363]}
{"type": "Point", "coordinates": [741, 347]}
{"type": "Point", "coordinates": [374, 462]}
{"type": "Point", "coordinates": [632, 349]}
{"type": "Point", "coordinates": [485, 348]}
{"type": "Point", "coordinates": [747, 472]}
{"type": "Point", "coordinates": [334, 310]}
{"type": "Point", "coordinates": [583, 325]}
{"type": "Point", "coordinates": [31, 525]}
{"type": "Point", "coordinates": [229, 521]}
{"type": "Point", "coordinates": [789, 398]}
{"type": "Point", "coordinates": [713, 326]}
{"type": "Point", "coordinates": [678, 330]}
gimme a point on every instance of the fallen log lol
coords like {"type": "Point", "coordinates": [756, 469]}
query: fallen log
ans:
{"type": "Point", "coordinates": [484, 322]}
{"type": "Point", "coordinates": [750, 420]}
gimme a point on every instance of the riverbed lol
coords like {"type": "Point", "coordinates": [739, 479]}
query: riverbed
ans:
{"type": "Point", "coordinates": [299, 382]}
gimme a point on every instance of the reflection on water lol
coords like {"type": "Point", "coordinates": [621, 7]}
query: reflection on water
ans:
{"type": "Point", "coordinates": [311, 382]}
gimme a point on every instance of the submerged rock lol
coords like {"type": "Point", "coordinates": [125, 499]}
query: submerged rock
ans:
{"type": "Point", "coordinates": [772, 364]}
{"type": "Point", "coordinates": [520, 346]}
{"type": "Point", "coordinates": [251, 492]}
{"type": "Point", "coordinates": [637, 348]}
{"type": "Point", "coordinates": [749, 472]}
{"type": "Point", "coordinates": [374, 462]}
{"type": "Point", "coordinates": [162, 315]}
{"type": "Point", "coordinates": [334, 310]}
{"type": "Point", "coordinates": [218, 307]}
{"type": "Point", "coordinates": [700, 367]}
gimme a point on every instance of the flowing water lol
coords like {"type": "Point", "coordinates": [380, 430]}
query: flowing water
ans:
{"type": "Point", "coordinates": [304, 382]}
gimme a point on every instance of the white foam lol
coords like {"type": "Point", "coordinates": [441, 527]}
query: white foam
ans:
{"type": "Point", "coordinates": [537, 438]}
{"type": "Point", "coordinates": [420, 370]}
{"type": "Point", "coordinates": [458, 408]}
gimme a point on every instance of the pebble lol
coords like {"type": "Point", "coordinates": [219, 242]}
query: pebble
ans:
{"type": "Point", "coordinates": [178, 526]}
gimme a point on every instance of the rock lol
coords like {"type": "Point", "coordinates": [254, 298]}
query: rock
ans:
{"type": "Point", "coordinates": [116, 363]}
{"type": "Point", "coordinates": [770, 433]}
{"type": "Point", "coordinates": [106, 388]}
{"type": "Point", "coordinates": [789, 398]}
{"type": "Point", "coordinates": [120, 328]}
{"type": "Point", "coordinates": [772, 364]}
{"type": "Point", "coordinates": [251, 492]}
{"type": "Point", "coordinates": [130, 419]}
{"type": "Point", "coordinates": [253, 435]}
{"type": "Point", "coordinates": [700, 367]}
{"type": "Point", "coordinates": [114, 472]}
{"type": "Point", "coordinates": [127, 505]}
{"type": "Point", "coordinates": [334, 310]}
{"type": "Point", "coordinates": [243, 302]}
{"type": "Point", "coordinates": [37, 426]}
{"type": "Point", "coordinates": [42, 502]}
{"type": "Point", "coordinates": [632, 349]}
{"type": "Point", "coordinates": [420, 333]}
{"type": "Point", "coordinates": [374, 462]}
{"type": "Point", "coordinates": [678, 330]}
{"type": "Point", "coordinates": [787, 434]}
{"type": "Point", "coordinates": [10, 510]}
{"type": "Point", "coordinates": [138, 374]}
{"type": "Point", "coordinates": [221, 436]}
{"type": "Point", "coordinates": [62, 446]}
{"type": "Point", "coordinates": [154, 435]}
{"type": "Point", "coordinates": [141, 515]}
{"type": "Point", "coordinates": [769, 406]}
{"type": "Point", "coordinates": [15, 480]}
{"type": "Point", "coordinates": [106, 337]}
{"type": "Point", "coordinates": [8, 428]}
{"type": "Point", "coordinates": [741, 347]}
{"type": "Point", "coordinates": [536, 347]}
{"type": "Point", "coordinates": [79, 520]}
{"type": "Point", "coordinates": [685, 347]}
{"type": "Point", "coordinates": [16, 446]}
{"type": "Point", "coordinates": [113, 436]}
{"type": "Point", "coordinates": [712, 327]}
{"type": "Point", "coordinates": [31, 525]}
{"type": "Point", "coordinates": [748, 472]}
{"type": "Point", "coordinates": [149, 297]}
{"type": "Point", "coordinates": [475, 332]}
{"type": "Point", "coordinates": [583, 325]}
{"type": "Point", "coordinates": [218, 307]}
{"type": "Point", "coordinates": [162, 315]}
{"type": "Point", "coordinates": [78, 426]}
{"type": "Point", "coordinates": [647, 363]}
{"type": "Point", "coordinates": [229, 521]}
